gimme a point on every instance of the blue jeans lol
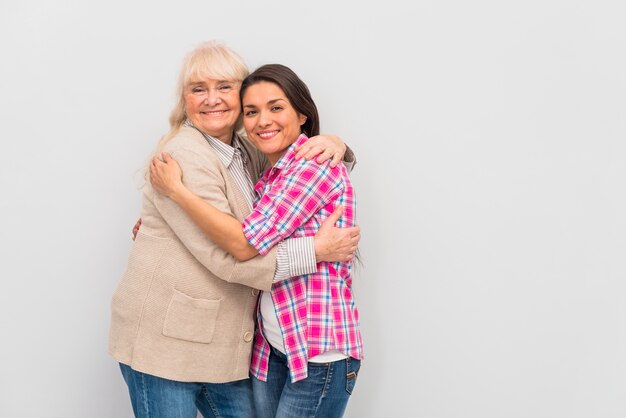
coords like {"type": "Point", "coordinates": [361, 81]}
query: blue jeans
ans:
{"type": "Point", "coordinates": [155, 397]}
{"type": "Point", "coordinates": [324, 393]}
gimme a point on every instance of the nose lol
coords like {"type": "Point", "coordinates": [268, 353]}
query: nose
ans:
{"type": "Point", "coordinates": [212, 97]}
{"type": "Point", "coordinates": [264, 119]}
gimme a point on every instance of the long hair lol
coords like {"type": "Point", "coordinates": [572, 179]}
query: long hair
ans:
{"type": "Point", "coordinates": [298, 95]}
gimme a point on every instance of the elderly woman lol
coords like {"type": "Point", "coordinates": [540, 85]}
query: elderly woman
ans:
{"type": "Point", "coordinates": [182, 323]}
{"type": "Point", "coordinates": [309, 324]}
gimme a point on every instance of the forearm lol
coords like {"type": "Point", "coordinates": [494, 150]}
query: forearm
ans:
{"type": "Point", "coordinates": [218, 226]}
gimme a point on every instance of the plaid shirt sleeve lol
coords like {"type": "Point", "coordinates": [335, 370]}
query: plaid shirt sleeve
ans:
{"type": "Point", "coordinates": [294, 196]}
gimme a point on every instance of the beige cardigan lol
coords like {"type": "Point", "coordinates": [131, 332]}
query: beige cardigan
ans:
{"type": "Point", "coordinates": [184, 309]}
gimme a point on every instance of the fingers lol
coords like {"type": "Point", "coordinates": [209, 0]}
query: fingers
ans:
{"type": "Point", "coordinates": [346, 257]}
{"type": "Point", "coordinates": [156, 162]}
{"type": "Point", "coordinates": [354, 238]}
{"type": "Point", "coordinates": [299, 151]}
{"type": "Point", "coordinates": [352, 232]}
{"type": "Point", "coordinates": [159, 167]}
{"type": "Point", "coordinates": [136, 228]}
{"type": "Point", "coordinates": [153, 172]}
{"type": "Point", "coordinates": [334, 217]}
{"type": "Point", "coordinates": [352, 246]}
{"type": "Point", "coordinates": [312, 151]}
{"type": "Point", "coordinates": [349, 243]}
{"type": "Point", "coordinates": [336, 158]}
{"type": "Point", "coordinates": [304, 150]}
{"type": "Point", "coordinates": [324, 156]}
{"type": "Point", "coordinates": [323, 150]}
{"type": "Point", "coordinates": [165, 159]}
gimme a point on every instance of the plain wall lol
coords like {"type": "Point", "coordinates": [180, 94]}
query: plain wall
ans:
{"type": "Point", "coordinates": [491, 184]}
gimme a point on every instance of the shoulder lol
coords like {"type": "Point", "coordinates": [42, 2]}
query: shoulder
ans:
{"type": "Point", "coordinates": [312, 169]}
{"type": "Point", "coordinates": [189, 142]}
{"type": "Point", "coordinates": [187, 138]}
{"type": "Point", "coordinates": [309, 177]}
{"type": "Point", "coordinates": [257, 157]}
{"type": "Point", "coordinates": [309, 168]}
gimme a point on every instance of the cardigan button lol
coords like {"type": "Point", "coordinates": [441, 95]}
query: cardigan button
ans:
{"type": "Point", "coordinates": [247, 336]}
{"type": "Point", "coordinates": [255, 292]}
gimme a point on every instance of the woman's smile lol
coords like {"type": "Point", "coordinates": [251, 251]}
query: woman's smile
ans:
{"type": "Point", "coordinates": [270, 120]}
{"type": "Point", "coordinates": [267, 134]}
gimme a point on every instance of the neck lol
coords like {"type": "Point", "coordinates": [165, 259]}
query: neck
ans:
{"type": "Point", "coordinates": [227, 139]}
{"type": "Point", "coordinates": [273, 158]}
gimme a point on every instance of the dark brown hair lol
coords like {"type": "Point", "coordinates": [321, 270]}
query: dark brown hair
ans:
{"type": "Point", "coordinates": [296, 91]}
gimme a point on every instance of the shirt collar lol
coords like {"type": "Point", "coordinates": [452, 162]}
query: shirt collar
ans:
{"type": "Point", "coordinates": [224, 151]}
{"type": "Point", "coordinates": [290, 154]}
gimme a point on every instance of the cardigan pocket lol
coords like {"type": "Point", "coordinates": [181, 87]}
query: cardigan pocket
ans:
{"type": "Point", "coordinates": [191, 319]}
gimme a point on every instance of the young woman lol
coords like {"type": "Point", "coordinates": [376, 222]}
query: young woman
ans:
{"type": "Point", "coordinates": [309, 329]}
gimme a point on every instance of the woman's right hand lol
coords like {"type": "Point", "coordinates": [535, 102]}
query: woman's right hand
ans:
{"type": "Point", "coordinates": [166, 175]}
{"type": "Point", "coordinates": [336, 244]}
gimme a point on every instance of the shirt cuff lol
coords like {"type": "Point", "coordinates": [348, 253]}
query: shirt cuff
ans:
{"type": "Point", "coordinates": [295, 257]}
{"type": "Point", "coordinates": [349, 159]}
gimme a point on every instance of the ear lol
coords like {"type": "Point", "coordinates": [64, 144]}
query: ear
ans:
{"type": "Point", "coordinates": [302, 119]}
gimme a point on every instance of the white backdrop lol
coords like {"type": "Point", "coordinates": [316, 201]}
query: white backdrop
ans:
{"type": "Point", "coordinates": [492, 163]}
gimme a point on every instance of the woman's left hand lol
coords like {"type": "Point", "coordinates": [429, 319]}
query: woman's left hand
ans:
{"type": "Point", "coordinates": [325, 147]}
{"type": "Point", "coordinates": [166, 175]}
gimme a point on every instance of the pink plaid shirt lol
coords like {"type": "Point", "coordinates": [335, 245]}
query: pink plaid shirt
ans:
{"type": "Point", "coordinates": [316, 312]}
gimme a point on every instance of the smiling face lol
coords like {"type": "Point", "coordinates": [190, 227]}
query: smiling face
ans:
{"type": "Point", "coordinates": [213, 107]}
{"type": "Point", "coordinates": [270, 120]}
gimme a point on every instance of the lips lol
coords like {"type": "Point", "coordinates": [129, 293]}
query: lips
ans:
{"type": "Point", "coordinates": [267, 134]}
{"type": "Point", "coordinates": [214, 113]}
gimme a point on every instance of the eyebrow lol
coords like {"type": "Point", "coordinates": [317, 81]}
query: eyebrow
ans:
{"type": "Point", "coordinates": [271, 102]}
{"type": "Point", "coordinates": [218, 81]}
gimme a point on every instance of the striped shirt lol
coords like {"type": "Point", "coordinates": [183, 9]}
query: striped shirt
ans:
{"type": "Point", "coordinates": [316, 312]}
{"type": "Point", "coordinates": [294, 256]}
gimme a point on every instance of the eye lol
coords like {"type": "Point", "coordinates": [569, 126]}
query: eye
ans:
{"type": "Point", "coordinates": [225, 88]}
{"type": "Point", "coordinates": [198, 90]}
{"type": "Point", "coordinates": [277, 108]}
{"type": "Point", "coordinates": [250, 113]}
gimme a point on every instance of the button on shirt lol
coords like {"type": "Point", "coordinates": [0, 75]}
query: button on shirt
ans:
{"type": "Point", "coordinates": [316, 312]}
